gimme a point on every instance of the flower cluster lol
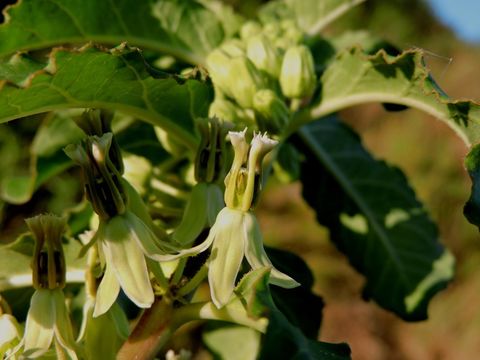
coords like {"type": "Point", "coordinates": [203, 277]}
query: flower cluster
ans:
{"type": "Point", "coordinates": [257, 74]}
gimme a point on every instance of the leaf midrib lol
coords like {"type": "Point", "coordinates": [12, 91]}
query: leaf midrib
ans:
{"type": "Point", "coordinates": [348, 188]}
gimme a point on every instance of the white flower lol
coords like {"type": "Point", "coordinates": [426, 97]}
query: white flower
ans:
{"type": "Point", "coordinates": [48, 319]}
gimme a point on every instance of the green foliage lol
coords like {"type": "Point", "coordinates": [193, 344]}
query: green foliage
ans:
{"type": "Point", "coordinates": [374, 218]}
{"type": "Point", "coordinates": [117, 79]}
{"type": "Point", "coordinates": [272, 73]}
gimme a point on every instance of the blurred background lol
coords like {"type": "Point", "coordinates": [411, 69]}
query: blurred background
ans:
{"type": "Point", "coordinates": [425, 149]}
{"type": "Point", "coordinates": [432, 157]}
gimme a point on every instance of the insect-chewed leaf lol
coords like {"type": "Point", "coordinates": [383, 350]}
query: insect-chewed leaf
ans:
{"type": "Point", "coordinates": [374, 218]}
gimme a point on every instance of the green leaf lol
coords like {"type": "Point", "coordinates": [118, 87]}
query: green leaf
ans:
{"type": "Point", "coordinates": [311, 15]}
{"type": "Point", "coordinates": [47, 159]}
{"type": "Point", "coordinates": [355, 78]}
{"type": "Point", "coordinates": [472, 207]}
{"type": "Point", "coordinates": [15, 270]}
{"type": "Point", "coordinates": [283, 339]}
{"type": "Point", "coordinates": [140, 139]}
{"type": "Point", "coordinates": [182, 28]}
{"type": "Point", "coordinates": [231, 342]}
{"type": "Point", "coordinates": [300, 305]}
{"type": "Point", "coordinates": [374, 218]}
{"type": "Point", "coordinates": [118, 79]}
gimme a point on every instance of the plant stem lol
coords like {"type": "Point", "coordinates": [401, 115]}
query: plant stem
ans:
{"type": "Point", "coordinates": [194, 281]}
{"type": "Point", "coordinates": [151, 333]}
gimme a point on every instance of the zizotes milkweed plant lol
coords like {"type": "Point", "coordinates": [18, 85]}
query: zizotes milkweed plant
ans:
{"type": "Point", "coordinates": [167, 153]}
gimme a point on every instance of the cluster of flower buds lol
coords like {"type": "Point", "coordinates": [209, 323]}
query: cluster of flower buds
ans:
{"type": "Point", "coordinates": [257, 74]}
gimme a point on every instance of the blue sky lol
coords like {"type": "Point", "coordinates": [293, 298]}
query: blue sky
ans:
{"type": "Point", "coordinates": [463, 16]}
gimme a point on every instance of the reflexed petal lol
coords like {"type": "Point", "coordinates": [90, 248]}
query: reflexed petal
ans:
{"type": "Point", "coordinates": [256, 255]}
{"type": "Point", "coordinates": [63, 327]}
{"type": "Point", "coordinates": [227, 255]}
{"type": "Point", "coordinates": [107, 292]}
{"type": "Point", "coordinates": [144, 237]}
{"type": "Point", "coordinates": [128, 261]}
{"type": "Point", "coordinates": [39, 328]}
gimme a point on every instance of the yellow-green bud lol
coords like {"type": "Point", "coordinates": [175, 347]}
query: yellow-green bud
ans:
{"type": "Point", "coordinates": [226, 110]}
{"type": "Point", "coordinates": [219, 69]}
{"type": "Point", "coordinates": [233, 47]}
{"type": "Point", "coordinates": [272, 30]}
{"type": "Point", "coordinates": [249, 29]}
{"type": "Point", "coordinates": [297, 77]}
{"type": "Point", "coordinates": [264, 55]}
{"type": "Point", "coordinates": [48, 262]}
{"type": "Point", "coordinates": [244, 81]}
{"type": "Point", "coordinates": [271, 112]}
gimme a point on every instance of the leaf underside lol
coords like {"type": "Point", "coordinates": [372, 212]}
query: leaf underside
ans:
{"type": "Point", "coordinates": [117, 79]}
{"type": "Point", "coordinates": [374, 219]}
{"type": "Point", "coordinates": [184, 29]}
{"type": "Point", "coordinates": [354, 77]}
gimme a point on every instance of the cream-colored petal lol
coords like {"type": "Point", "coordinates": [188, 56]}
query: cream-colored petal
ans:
{"type": "Point", "coordinates": [39, 328]}
{"type": "Point", "coordinates": [87, 313]}
{"type": "Point", "coordinates": [256, 255]}
{"type": "Point", "coordinates": [10, 333]}
{"type": "Point", "coordinates": [128, 261]}
{"type": "Point", "coordinates": [63, 327]}
{"type": "Point", "coordinates": [144, 237]}
{"type": "Point", "coordinates": [226, 256]}
{"type": "Point", "coordinates": [107, 292]}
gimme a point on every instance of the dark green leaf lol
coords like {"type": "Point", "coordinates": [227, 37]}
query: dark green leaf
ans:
{"type": "Point", "coordinates": [283, 339]}
{"type": "Point", "coordinates": [472, 207]}
{"type": "Point", "coordinates": [374, 218]}
{"type": "Point", "coordinates": [300, 305]}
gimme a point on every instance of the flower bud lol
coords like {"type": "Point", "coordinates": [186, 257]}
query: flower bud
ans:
{"type": "Point", "coordinates": [226, 110]}
{"type": "Point", "coordinates": [297, 76]}
{"type": "Point", "coordinates": [233, 48]}
{"type": "Point", "coordinates": [264, 55]}
{"type": "Point", "coordinates": [98, 122]}
{"type": "Point", "coordinates": [210, 158]}
{"type": "Point", "coordinates": [249, 29]}
{"type": "Point", "coordinates": [272, 113]}
{"type": "Point", "coordinates": [244, 80]}
{"type": "Point", "coordinates": [219, 68]}
{"type": "Point", "coordinates": [48, 263]}
{"type": "Point", "coordinates": [102, 179]}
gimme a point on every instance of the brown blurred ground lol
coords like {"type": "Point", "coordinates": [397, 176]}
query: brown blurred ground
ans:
{"type": "Point", "coordinates": [432, 157]}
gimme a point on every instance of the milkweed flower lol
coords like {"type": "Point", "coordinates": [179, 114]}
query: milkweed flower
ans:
{"type": "Point", "coordinates": [236, 233]}
{"type": "Point", "coordinates": [10, 335]}
{"type": "Point", "coordinates": [48, 317]}
{"type": "Point", "coordinates": [125, 233]}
